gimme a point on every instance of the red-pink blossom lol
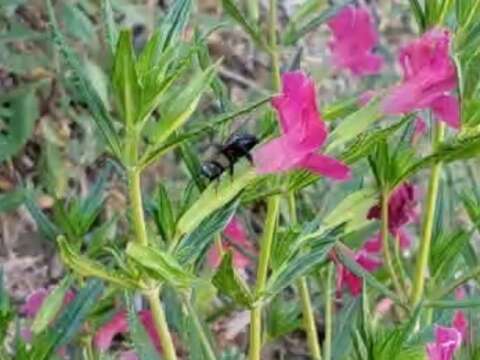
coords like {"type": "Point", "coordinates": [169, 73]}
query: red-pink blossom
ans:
{"type": "Point", "coordinates": [303, 133]}
{"type": "Point", "coordinates": [460, 321]}
{"type": "Point", "coordinates": [119, 325]}
{"type": "Point", "coordinates": [345, 278]}
{"type": "Point", "coordinates": [236, 233]}
{"type": "Point", "coordinates": [354, 36]}
{"type": "Point", "coordinates": [447, 342]}
{"type": "Point", "coordinates": [429, 76]}
{"type": "Point", "coordinates": [402, 210]}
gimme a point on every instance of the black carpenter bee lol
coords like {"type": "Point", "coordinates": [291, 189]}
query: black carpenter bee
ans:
{"type": "Point", "coordinates": [236, 147]}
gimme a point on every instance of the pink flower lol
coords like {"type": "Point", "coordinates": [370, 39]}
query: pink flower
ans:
{"type": "Point", "coordinates": [34, 302]}
{"type": "Point", "coordinates": [119, 325]}
{"type": "Point", "coordinates": [429, 76]}
{"type": "Point", "coordinates": [303, 133]}
{"type": "Point", "coordinates": [460, 321]}
{"type": "Point", "coordinates": [365, 97]}
{"type": "Point", "coordinates": [354, 283]}
{"type": "Point", "coordinates": [236, 233]}
{"type": "Point", "coordinates": [354, 37]}
{"type": "Point", "coordinates": [402, 210]}
{"type": "Point", "coordinates": [447, 341]}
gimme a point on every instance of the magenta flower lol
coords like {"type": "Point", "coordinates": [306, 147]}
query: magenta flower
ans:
{"type": "Point", "coordinates": [354, 37]}
{"type": "Point", "coordinates": [303, 133]}
{"type": "Point", "coordinates": [460, 321]}
{"type": "Point", "coordinates": [429, 76]}
{"type": "Point", "coordinates": [402, 210]}
{"type": "Point", "coordinates": [351, 281]}
{"type": "Point", "coordinates": [119, 325]}
{"type": "Point", "coordinates": [235, 232]}
{"type": "Point", "coordinates": [447, 341]}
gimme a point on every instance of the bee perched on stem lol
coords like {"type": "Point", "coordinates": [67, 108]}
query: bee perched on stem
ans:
{"type": "Point", "coordinates": [236, 147]}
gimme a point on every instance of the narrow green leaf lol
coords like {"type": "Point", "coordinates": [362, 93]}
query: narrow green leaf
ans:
{"type": "Point", "coordinates": [51, 306]}
{"type": "Point", "coordinates": [161, 265]}
{"type": "Point", "coordinates": [154, 153]}
{"type": "Point", "coordinates": [89, 268]}
{"type": "Point", "coordinates": [232, 10]}
{"type": "Point", "coordinates": [229, 283]}
{"type": "Point", "coordinates": [46, 227]}
{"type": "Point", "coordinates": [144, 348]}
{"type": "Point", "coordinates": [212, 199]}
{"type": "Point", "coordinates": [108, 19]}
{"type": "Point", "coordinates": [164, 214]}
{"type": "Point", "coordinates": [419, 14]}
{"type": "Point", "coordinates": [125, 79]}
{"type": "Point", "coordinates": [175, 22]}
{"type": "Point", "coordinates": [11, 200]}
{"type": "Point", "coordinates": [195, 244]}
{"type": "Point", "coordinates": [68, 323]}
{"type": "Point", "coordinates": [355, 124]}
{"type": "Point", "coordinates": [453, 304]}
{"type": "Point", "coordinates": [85, 88]}
{"type": "Point", "coordinates": [181, 105]}
{"type": "Point", "coordinates": [18, 125]}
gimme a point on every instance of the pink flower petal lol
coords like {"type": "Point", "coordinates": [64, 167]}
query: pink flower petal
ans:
{"type": "Point", "coordinates": [353, 38]}
{"type": "Point", "coordinates": [354, 283]}
{"type": "Point", "coordinates": [365, 97]}
{"type": "Point", "coordinates": [128, 355]}
{"type": "Point", "coordinates": [34, 302]}
{"type": "Point", "coordinates": [460, 323]}
{"type": "Point", "coordinates": [447, 109]}
{"type": "Point", "coordinates": [326, 166]}
{"type": "Point", "coordinates": [104, 336]}
{"type": "Point", "coordinates": [447, 342]}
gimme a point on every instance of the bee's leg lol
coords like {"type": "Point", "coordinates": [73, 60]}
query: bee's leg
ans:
{"type": "Point", "coordinates": [249, 157]}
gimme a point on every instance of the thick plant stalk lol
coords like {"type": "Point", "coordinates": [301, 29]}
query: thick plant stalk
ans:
{"type": "Point", "coordinates": [253, 8]}
{"type": "Point", "coordinates": [426, 240]}
{"type": "Point", "coordinates": [262, 271]}
{"type": "Point", "coordinates": [138, 222]}
{"type": "Point", "coordinates": [272, 26]}
{"type": "Point", "coordinates": [386, 246]}
{"type": "Point", "coordinates": [302, 287]}
{"type": "Point", "coordinates": [327, 347]}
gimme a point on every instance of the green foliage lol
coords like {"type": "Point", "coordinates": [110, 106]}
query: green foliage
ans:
{"type": "Point", "coordinates": [160, 265]}
{"type": "Point", "coordinates": [68, 324]}
{"type": "Point", "coordinates": [228, 282]}
{"type": "Point", "coordinates": [18, 113]}
{"type": "Point", "coordinates": [192, 246]}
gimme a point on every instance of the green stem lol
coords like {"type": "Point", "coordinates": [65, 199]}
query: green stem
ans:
{"type": "Point", "coordinates": [168, 349]}
{"type": "Point", "coordinates": [386, 246]}
{"type": "Point", "coordinates": [262, 271]}
{"type": "Point", "coordinates": [272, 27]}
{"type": "Point", "coordinates": [207, 346]}
{"type": "Point", "coordinates": [138, 222]}
{"type": "Point", "coordinates": [253, 8]}
{"type": "Point", "coordinates": [302, 287]}
{"type": "Point", "coordinates": [327, 346]}
{"type": "Point", "coordinates": [458, 282]}
{"type": "Point", "coordinates": [425, 242]}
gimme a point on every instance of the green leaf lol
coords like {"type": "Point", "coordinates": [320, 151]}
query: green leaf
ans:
{"type": "Point", "coordinates": [229, 282]}
{"type": "Point", "coordinates": [355, 124]}
{"type": "Point", "coordinates": [232, 10]}
{"type": "Point", "coordinates": [11, 200]}
{"type": "Point", "coordinates": [84, 87]}
{"type": "Point", "coordinates": [181, 105]}
{"type": "Point", "coordinates": [125, 79]}
{"type": "Point", "coordinates": [195, 244]}
{"type": "Point", "coordinates": [419, 14]}
{"type": "Point", "coordinates": [298, 31]}
{"type": "Point", "coordinates": [175, 22]}
{"type": "Point", "coordinates": [18, 125]}
{"type": "Point", "coordinates": [161, 265]}
{"type": "Point", "coordinates": [70, 321]}
{"type": "Point", "coordinates": [164, 214]}
{"type": "Point", "coordinates": [154, 153]}
{"type": "Point", "coordinates": [141, 341]}
{"type": "Point", "coordinates": [6, 310]}
{"type": "Point", "coordinates": [300, 265]}
{"type": "Point", "coordinates": [444, 253]}
{"type": "Point", "coordinates": [86, 267]}
{"type": "Point", "coordinates": [213, 198]}
{"type": "Point", "coordinates": [51, 306]}
{"type": "Point", "coordinates": [46, 227]}
{"type": "Point", "coordinates": [108, 19]}
{"type": "Point", "coordinates": [283, 317]}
